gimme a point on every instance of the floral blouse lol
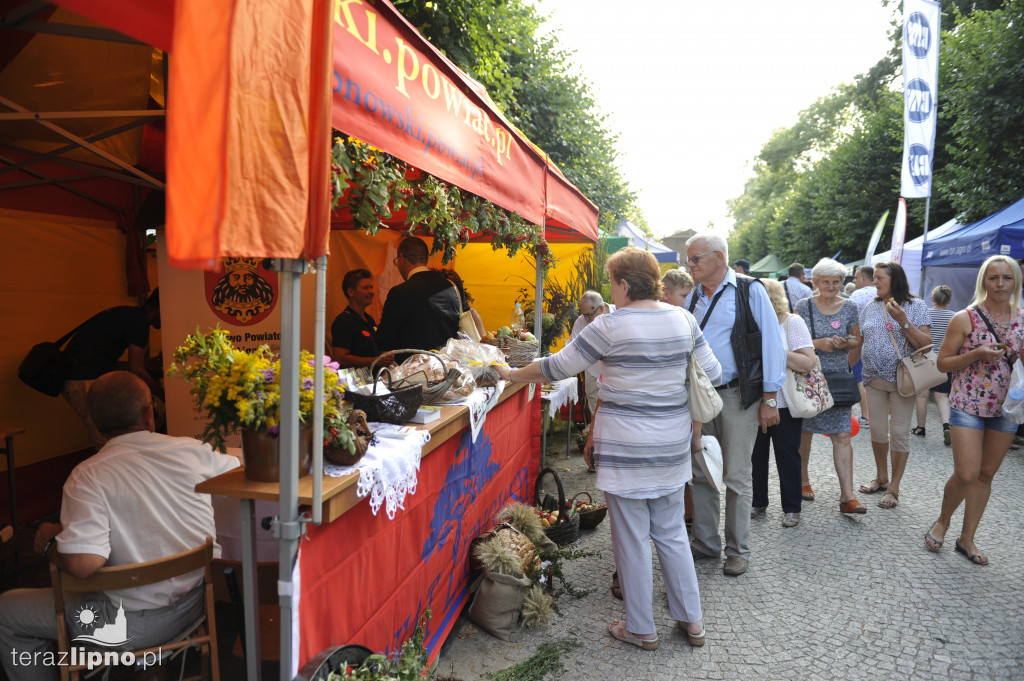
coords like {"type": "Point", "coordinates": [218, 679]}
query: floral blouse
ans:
{"type": "Point", "coordinates": [879, 355]}
{"type": "Point", "coordinates": [980, 388]}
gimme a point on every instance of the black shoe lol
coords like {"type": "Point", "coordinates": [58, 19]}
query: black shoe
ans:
{"type": "Point", "coordinates": [945, 434]}
{"type": "Point", "coordinates": [919, 431]}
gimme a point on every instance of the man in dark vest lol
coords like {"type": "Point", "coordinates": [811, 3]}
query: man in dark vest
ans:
{"type": "Point", "coordinates": [739, 322]}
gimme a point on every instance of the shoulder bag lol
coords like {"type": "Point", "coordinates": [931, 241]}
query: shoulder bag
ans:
{"type": "Point", "coordinates": [842, 384]}
{"type": "Point", "coordinates": [917, 371]}
{"type": "Point", "coordinates": [807, 392]}
{"type": "Point", "coordinates": [46, 367]}
{"type": "Point", "coordinates": [704, 401]}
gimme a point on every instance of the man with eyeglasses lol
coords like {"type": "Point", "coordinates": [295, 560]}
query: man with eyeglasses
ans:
{"type": "Point", "coordinates": [591, 306]}
{"type": "Point", "coordinates": [423, 312]}
{"type": "Point", "coordinates": [739, 322]}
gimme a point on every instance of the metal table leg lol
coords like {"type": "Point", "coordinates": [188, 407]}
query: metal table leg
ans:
{"type": "Point", "coordinates": [545, 422]}
{"type": "Point", "coordinates": [250, 591]}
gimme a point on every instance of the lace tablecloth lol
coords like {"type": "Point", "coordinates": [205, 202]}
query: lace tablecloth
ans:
{"type": "Point", "coordinates": [561, 393]}
{"type": "Point", "coordinates": [481, 401]}
{"type": "Point", "coordinates": [388, 471]}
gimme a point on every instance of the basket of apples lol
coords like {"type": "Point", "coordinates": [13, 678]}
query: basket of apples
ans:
{"type": "Point", "coordinates": [565, 528]}
{"type": "Point", "coordinates": [520, 346]}
{"type": "Point", "coordinates": [590, 514]}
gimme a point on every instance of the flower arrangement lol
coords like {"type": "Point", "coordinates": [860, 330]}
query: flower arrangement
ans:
{"type": "Point", "coordinates": [378, 185]}
{"type": "Point", "coordinates": [408, 664]}
{"type": "Point", "coordinates": [242, 388]}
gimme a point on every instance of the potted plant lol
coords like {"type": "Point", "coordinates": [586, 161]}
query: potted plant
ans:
{"type": "Point", "coordinates": [240, 390]}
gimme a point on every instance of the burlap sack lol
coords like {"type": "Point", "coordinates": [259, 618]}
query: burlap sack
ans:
{"type": "Point", "coordinates": [498, 603]}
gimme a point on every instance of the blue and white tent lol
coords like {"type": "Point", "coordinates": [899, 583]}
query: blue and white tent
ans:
{"type": "Point", "coordinates": [637, 238]}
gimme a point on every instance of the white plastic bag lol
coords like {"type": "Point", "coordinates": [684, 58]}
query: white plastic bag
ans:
{"type": "Point", "coordinates": [1013, 406]}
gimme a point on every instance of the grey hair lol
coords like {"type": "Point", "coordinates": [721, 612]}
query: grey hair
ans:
{"type": "Point", "coordinates": [827, 267]}
{"type": "Point", "coordinates": [118, 402]}
{"type": "Point", "coordinates": [593, 298]}
{"type": "Point", "coordinates": [714, 242]}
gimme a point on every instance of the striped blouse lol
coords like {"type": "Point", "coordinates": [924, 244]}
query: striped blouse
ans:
{"type": "Point", "coordinates": [642, 429]}
{"type": "Point", "coordinates": [940, 322]}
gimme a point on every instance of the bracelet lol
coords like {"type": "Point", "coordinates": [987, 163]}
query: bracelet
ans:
{"type": "Point", "coordinates": [510, 379]}
{"type": "Point", "coordinates": [46, 549]}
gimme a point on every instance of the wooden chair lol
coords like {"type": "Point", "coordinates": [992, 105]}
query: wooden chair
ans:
{"type": "Point", "coordinates": [202, 634]}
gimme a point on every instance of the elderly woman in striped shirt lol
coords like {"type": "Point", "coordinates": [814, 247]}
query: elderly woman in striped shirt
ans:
{"type": "Point", "coordinates": [640, 441]}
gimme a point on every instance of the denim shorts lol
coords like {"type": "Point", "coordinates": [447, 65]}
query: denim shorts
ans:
{"type": "Point", "coordinates": [997, 423]}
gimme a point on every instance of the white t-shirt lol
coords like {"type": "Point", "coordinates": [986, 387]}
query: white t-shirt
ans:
{"type": "Point", "coordinates": [796, 290]}
{"type": "Point", "coordinates": [135, 501]}
{"type": "Point", "coordinates": [799, 337]}
{"type": "Point", "coordinates": [863, 296]}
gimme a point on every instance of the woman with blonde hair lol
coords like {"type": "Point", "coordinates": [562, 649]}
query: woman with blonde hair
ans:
{"type": "Point", "coordinates": [982, 343]}
{"type": "Point", "coordinates": [640, 441]}
{"type": "Point", "coordinates": [835, 331]}
{"type": "Point", "coordinates": [785, 435]}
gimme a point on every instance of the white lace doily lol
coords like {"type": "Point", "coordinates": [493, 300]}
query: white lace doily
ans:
{"type": "Point", "coordinates": [479, 402]}
{"type": "Point", "coordinates": [562, 393]}
{"type": "Point", "coordinates": [389, 469]}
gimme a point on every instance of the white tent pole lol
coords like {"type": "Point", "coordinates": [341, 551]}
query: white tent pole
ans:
{"type": "Point", "coordinates": [288, 528]}
{"type": "Point", "coordinates": [927, 212]}
{"type": "Point", "coordinates": [319, 325]}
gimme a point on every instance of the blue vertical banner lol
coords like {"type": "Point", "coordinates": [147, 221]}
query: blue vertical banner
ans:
{"type": "Point", "coordinates": [920, 95]}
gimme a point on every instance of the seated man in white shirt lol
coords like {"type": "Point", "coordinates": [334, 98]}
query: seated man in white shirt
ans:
{"type": "Point", "coordinates": [131, 502]}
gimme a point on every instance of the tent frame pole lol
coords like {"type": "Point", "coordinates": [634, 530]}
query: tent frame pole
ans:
{"type": "Point", "coordinates": [927, 213]}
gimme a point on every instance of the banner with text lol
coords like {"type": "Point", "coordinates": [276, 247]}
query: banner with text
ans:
{"type": "Point", "coordinates": [920, 95]}
{"type": "Point", "coordinates": [395, 90]}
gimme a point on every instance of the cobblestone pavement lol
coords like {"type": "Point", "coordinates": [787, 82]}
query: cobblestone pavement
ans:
{"type": "Point", "coordinates": [836, 597]}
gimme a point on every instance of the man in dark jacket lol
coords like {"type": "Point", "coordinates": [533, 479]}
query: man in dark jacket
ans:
{"type": "Point", "coordinates": [423, 312]}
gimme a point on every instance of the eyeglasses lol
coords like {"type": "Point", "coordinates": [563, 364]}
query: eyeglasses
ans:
{"type": "Point", "coordinates": [588, 316]}
{"type": "Point", "coordinates": [696, 259]}
{"type": "Point", "coordinates": [395, 261]}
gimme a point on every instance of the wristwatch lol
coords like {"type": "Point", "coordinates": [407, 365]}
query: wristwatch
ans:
{"type": "Point", "coordinates": [907, 325]}
{"type": "Point", "coordinates": [771, 402]}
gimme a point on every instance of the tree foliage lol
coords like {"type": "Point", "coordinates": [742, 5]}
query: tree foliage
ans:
{"type": "Point", "coordinates": [531, 78]}
{"type": "Point", "coordinates": [819, 186]}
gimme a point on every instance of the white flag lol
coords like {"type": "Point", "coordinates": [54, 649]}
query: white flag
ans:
{"type": "Point", "coordinates": [920, 95]}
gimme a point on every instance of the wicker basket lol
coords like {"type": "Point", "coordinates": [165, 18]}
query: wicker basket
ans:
{"type": "Point", "coordinates": [588, 519]}
{"type": "Point", "coordinates": [396, 407]}
{"type": "Point", "coordinates": [566, 529]}
{"type": "Point", "coordinates": [363, 436]}
{"type": "Point", "coordinates": [432, 391]}
{"type": "Point", "coordinates": [517, 353]}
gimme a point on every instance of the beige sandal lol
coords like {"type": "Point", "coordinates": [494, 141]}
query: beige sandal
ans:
{"type": "Point", "coordinates": [890, 500]}
{"type": "Point", "coordinates": [874, 486]}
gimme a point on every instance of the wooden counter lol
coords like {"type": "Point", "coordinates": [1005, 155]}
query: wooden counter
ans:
{"type": "Point", "coordinates": [339, 494]}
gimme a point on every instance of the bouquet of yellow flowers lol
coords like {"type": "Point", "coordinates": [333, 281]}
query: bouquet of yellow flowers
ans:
{"type": "Point", "coordinates": [242, 388]}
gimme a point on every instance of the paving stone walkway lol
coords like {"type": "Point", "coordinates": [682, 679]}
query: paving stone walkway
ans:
{"type": "Point", "coordinates": [838, 597]}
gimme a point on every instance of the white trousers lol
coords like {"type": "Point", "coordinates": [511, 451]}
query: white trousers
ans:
{"type": "Point", "coordinates": [635, 522]}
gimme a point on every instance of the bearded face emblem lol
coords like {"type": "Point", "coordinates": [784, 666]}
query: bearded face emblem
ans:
{"type": "Point", "coordinates": [245, 293]}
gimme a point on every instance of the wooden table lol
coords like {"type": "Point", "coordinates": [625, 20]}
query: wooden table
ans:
{"type": "Point", "coordinates": [338, 496]}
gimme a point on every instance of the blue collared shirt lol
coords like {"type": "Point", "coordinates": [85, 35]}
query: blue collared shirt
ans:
{"type": "Point", "coordinates": [718, 330]}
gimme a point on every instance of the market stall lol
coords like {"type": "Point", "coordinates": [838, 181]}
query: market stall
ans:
{"type": "Point", "coordinates": [215, 208]}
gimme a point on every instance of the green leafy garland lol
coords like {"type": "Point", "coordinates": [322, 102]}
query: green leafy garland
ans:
{"type": "Point", "coordinates": [379, 185]}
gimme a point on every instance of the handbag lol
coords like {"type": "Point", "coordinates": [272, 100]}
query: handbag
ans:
{"type": "Point", "coordinates": [842, 384]}
{"type": "Point", "coordinates": [46, 367]}
{"type": "Point", "coordinates": [704, 401]}
{"type": "Point", "coordinates": [806, 392]}
{"type": "Point", "coordinates": [917, 371]}
{"type": "Point", "coordinates": [1013, 405]}
{"type": "Point", "coordinates": [467, 325]}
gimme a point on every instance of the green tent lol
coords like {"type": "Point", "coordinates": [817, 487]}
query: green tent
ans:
{"type": "Point", "coordinates": [769, 264]}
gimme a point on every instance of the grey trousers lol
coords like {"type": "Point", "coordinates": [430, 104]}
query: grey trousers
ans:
{"type": "Point", "coordinates": [635, 522]}
{"type": "Point", "coordinates": [736, 430]}
{"type": "Point", "coordinates": [28, 625]}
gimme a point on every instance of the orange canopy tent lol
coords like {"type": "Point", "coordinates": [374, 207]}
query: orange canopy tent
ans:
{"type": "Point", "coordinates": [248, 137]}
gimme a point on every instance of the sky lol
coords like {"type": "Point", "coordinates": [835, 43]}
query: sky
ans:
{"type": "Point", "coordinates": [693, 90]}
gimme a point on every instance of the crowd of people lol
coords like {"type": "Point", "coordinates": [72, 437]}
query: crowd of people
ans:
{"type": "Point", "coordinates": [746, 333]}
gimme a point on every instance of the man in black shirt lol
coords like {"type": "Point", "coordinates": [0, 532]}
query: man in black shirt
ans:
{"type": "Point", "coordinates": [352, 343]}
{"type": "Point", "coordinates": [423, 312]}
{"type": "Point", "coordinates": [100, 342]}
